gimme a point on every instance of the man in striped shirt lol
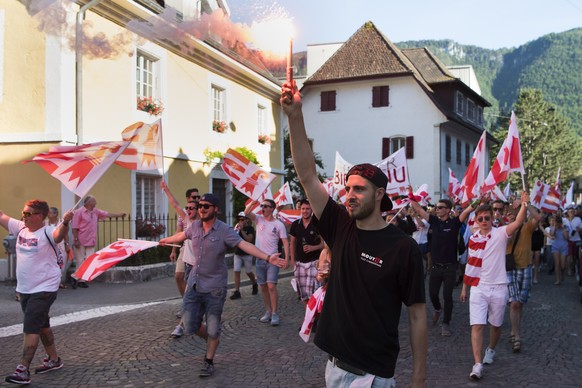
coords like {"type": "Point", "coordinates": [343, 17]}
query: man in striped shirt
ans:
{"type": "Point", "coordinates": [485, 274]}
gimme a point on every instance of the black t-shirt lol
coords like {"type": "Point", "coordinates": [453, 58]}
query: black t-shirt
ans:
{"type": "Point", "coordinates": [248, 230]}
{"type": "Point", "coordinates": [372, 274]}
{"type": "Point", "coordinates": [309, 236]}
{"type": "Point", "coordinates": [445, 234]}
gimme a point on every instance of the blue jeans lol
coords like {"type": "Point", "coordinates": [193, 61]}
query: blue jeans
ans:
{"type": "Point", "coordinates": [197, 304]}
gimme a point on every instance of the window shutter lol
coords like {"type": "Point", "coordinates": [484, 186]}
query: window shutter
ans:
{"type": "Point", "coordinates": [447, 148]}
{"type": "Point", "coordinates": [380, 96]}
{"type": "Point", "coordinates": [385, 147]}
{"type": "Point", "coordinates": [409, 147]}
{"type": "Point", "coordinates": [328, 100]}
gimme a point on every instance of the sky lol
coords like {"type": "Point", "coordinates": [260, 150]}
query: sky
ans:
{"type": "Point", "coordinates": [491, 24]}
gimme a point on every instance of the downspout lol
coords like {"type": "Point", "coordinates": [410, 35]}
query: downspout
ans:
{"type": "Point", "coordinates": [79, 67]}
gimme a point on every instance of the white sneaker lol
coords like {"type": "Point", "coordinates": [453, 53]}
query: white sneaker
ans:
{"type": "Point", "coordinates": [178, 332]}
{"type": "Point", "coordinates": [489, 356]}
{"type": "Point", "coordinates": [274, 320]}
{"type": "Point", "coordinates": [477, 371]}
{"type": "Point", "coordinates": [266, 318]}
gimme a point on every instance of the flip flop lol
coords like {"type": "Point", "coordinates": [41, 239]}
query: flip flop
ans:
{"type": "Point", "coordinates": [516, 346]}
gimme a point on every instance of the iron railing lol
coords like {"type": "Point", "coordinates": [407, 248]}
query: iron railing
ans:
{"type": "Point", "coordinates": [149, 228]}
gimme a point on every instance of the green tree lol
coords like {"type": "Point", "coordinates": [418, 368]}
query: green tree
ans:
{"type": "Point", "coordinates": [547, 140]}
{"type": "Point", "coordinates": [291, 174]}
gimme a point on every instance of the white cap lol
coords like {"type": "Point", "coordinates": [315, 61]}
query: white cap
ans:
{"type": "Point", "coordinates": [242, 214]}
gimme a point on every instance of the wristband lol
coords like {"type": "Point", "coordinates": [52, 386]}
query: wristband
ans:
{"type": "Point", "coordinates": [267, 259]}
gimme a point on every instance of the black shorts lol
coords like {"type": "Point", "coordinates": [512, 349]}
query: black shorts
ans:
{"type": "Point", "coordinates": [36, 309]}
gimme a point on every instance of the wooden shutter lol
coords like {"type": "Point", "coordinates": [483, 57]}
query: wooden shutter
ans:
{"type": "Point", "coordinates": [385, 147]}
{"type": "Point", "coordinates": [409, 147]}
{"type": "Point", "coordinates": [328, 101]}
{"type": "Point", "coordinates": [380, 96]}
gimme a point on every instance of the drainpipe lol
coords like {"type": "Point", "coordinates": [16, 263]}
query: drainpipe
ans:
{"type": "Point", "coordinates": [79, 67]}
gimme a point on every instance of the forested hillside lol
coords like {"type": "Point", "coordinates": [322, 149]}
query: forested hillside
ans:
{"type": "Point", "coordinates": [552, 63]}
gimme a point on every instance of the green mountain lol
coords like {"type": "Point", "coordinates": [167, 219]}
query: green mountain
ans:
{"type": "Point", "coordinates": [552, 63]}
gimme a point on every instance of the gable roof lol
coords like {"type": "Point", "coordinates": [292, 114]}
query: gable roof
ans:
{"type": "Point", "coordinates": [431, 69]}
{"type": "Point", "coordinates": [366, 54]}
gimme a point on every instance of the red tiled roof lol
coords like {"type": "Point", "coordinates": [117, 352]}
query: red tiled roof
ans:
{"type": "Point", "coordinates": [366, 54]}
{"type": "Point", "coordinates": [430, 67]}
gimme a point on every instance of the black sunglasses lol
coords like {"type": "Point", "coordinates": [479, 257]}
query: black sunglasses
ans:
{"type": "Point", "coordinates": [485, 218]}
{"type": "Point", "coordinates": [269, 206]}
{"type": "Point", "coordinates": [195, 196]}
{"type": "Point", "coordinates": [204, 206]}
{"type": "Point", "coordinates": [28, 214]}
{"type": "Point", "coordinates": [191, 208]}
{"type": "Point", "coordinates": [442, 207]}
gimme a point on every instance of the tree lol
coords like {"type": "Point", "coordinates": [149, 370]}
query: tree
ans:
{"type": "Point", "coordinates": [291, 174]}
{"type": "Point", "coordinates": [547, 140]}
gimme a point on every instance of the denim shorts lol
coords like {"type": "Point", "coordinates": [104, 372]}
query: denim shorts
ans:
{"type": "Point", "coordinates": [240, 259]}
{"type": "Point", "coordinates": [267, 273]}
{"type": "Point", "coordinates": [197, 305]}
{"type": "Point", "coordinates": [36, 309]}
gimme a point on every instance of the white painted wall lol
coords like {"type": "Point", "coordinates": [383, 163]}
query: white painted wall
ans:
{"type": "Point", "coordinates": [356, 129]}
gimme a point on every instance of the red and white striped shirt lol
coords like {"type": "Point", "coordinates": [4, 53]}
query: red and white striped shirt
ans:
{"type": "Point", "coordinates": [486, 258]}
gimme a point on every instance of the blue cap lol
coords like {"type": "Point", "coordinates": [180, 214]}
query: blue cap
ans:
{"type": "Point", "coordinates": [211, 198]}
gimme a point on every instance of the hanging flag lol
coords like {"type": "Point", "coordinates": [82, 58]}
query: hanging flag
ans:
{"type": "Point", "coordinates": [246, 177]}
{"type": "Point", "coordinates": [507, 190]}
{"type": "Point", "coordinates": [312, 310]}
{"type": "Point", "coordinates": [454, 186]}
{"type": "Point", "coordinates": [508, 159]}
{"type": "Point", "coordinates": [396, 169]}
{"type": "Point", "coordinates": [144, 152]}
{"type": "Point", "coordinates": [538, 194]}
{"type": "Point", "coordinates": [283, 196]}
{"type": "Point", "coordinates": [80, 167]}
{"type": "Point", "coordinates": [475, 174]}
{"type": "Point", "coordinates": [545, 197]}
{"type": "Point", "coordinates": [107, 257]}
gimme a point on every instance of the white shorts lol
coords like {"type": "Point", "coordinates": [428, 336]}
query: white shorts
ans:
{"type": "Point", "coordinates": [487, 303]}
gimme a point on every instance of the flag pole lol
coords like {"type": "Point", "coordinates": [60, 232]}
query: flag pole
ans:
{"type": "Point", "coordinates": [522, 181]}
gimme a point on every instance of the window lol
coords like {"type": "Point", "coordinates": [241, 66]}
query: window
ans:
{"type": "Point", "coordinates": [262, 120]}
{"type": "Point", "coordinates": [328, 101]}
{"type": "Point", "coordinates": [459, 104]}
{"type": "Point", "coordinates": [447, 148]}
{"type": "Point", "coordinates": [467, 154]}
{"type": "Point", "coordinates": [392, 144]}
{"type": "Point", "coordinates": [218, 103]}
{"type": "Point", "coordinates": [397, 143]}
{"type": "Point", "coordinates": [147, 195]}
{"type": "Point", "coordinates": [380, 96]}
{"type": "Point", "coordinates": [459, 155]}
{"type": "Point", "coordinates": [470, 110]}
{"type": "Point", "coordinates": [146, 76]}
{"type": "Point", "coordinates": [480, 115]}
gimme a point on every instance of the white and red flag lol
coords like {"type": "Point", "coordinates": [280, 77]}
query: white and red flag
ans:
{"type": "Point", "coordinates": [396, 169]}
{"type": "Point", "coordinates": [247, 177]}
{"type": "Point", "coordinates": [312, 310]}
{"type": "Point", "coordinates": [145, 151]}
{"type": "Point", "coordinates": [257, 206]}
{"type": "Point", "coordinates": [538, 193]}
{"type": "Point", "coordinates": [545, 197]}
{"type": "Point", "coordinates": [497, 194]}
{"type": "Point", "coordinates": [455, 191]}
{"type": "Point", "coordinates": [283, 196]}
{"type": "Point", "coordinates": [80, 167]}
{"type": "Point", "coordinates": [508, 159]}
{"type": "Point", "coordinates": [339, 174]}
{"type": "Point", "coordinates": [107, 257]}
{"type": "Point", "coordinates": [328, 186]}
{"type": "Point", "coordinates": [287, 216]}
{"type": "Point", "coordinates": [475, 174]}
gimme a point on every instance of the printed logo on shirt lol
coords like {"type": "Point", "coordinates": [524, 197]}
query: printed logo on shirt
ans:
{"type": "Point", "coordinates": [371, 259]}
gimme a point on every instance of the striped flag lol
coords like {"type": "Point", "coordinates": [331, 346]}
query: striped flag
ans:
{"type": "Point", "coordinates": [144, 152]}
{"type": "Point", "coordinates": [475, 174]}
{"type": "Point", "coordinates": [246, 176]}
{"type": "Point", "coordinates": [107, 257]}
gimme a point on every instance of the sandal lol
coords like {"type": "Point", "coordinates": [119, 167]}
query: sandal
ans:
{"type": "Point", "coordinates": [511, 338]}
{"type": "Point", "coordinates": [516, 346]}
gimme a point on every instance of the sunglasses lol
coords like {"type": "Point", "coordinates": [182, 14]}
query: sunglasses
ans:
{"type": "Point", "coordinates": [266, 206]}
{"type": "Point", "coordinates": [497, 209]}
{"type": "Point", "coordinates": [485, 218]}
{"type": "Point", "coordinates": [191, 208]}
{"type": "Point", "coordinates": [442, 207]}
{"type": "Point", "coordinates": [204, 206]}
{"type": "Point", "coordinates": [28, 214]}
{"type": "Point", "coordinates": [195, 197]}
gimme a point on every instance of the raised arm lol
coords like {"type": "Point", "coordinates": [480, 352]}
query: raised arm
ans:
{"type": "Point", "coordinates": [173, 201]}
{"type": "Point", "coordinates": [417, 208]}
{"type": "Point", "coordinates": [511, 228]}
{"type": "Point", "coordinates": [248, 210]}
{"type": "Point", "coordinates": [60, 233]}
{"type": "Point", "coordinates": [301, 151]}
{"type": "Point", "coordinates": [4, 220]}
